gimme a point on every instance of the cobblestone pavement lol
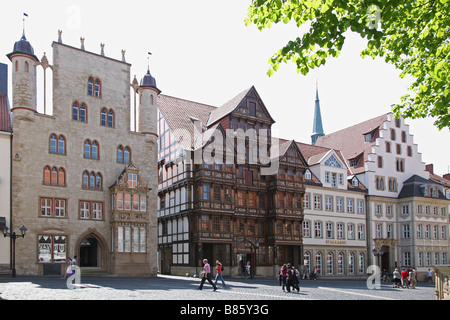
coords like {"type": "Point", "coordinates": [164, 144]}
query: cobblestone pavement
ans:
{"type": "Point", "coordinates": [182, 288]}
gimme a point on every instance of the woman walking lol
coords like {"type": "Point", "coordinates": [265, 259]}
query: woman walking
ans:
{"type": "Point", "coordinates": [283, 273]}
{"type": "Point", "coordinates": [219, 270]}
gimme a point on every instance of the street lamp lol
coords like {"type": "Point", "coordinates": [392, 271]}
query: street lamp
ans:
{"type": "Point", "coordinates": [14, 236]}
{"type": "Point", "coordinates": [378, 254]}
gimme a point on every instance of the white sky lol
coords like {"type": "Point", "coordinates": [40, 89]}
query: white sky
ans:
{"type": "Point", "coordinates": [202, 51]}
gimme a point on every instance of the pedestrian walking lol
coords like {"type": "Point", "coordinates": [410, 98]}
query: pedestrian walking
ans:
{"type": "Point", "coordinates": [206, 275]}
{"type": "Point", "coordinates": [219, 270]}
{"type": "Point", "coordinates": [396, 278]}
{"type": "Point", "coordinates": [314, 273]}
{"type": "Point", "coordinates": [412, 278]}
{"type": "Point", "coordinates": [248, 268]}
{"type": "Point", "coordinates": [69, 271]}
{"type": "Point", "coordinates": [283, 273]}
{"type": "Point", "coordinates": [404, 277]}
{"type": "Point", "coordinates": [430, 275]}
{"type": "Point", "coordinates": [292, 280]}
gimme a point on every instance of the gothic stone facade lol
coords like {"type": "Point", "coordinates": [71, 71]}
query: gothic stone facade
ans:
{"type": "Point", "coordinates": [72, 168]}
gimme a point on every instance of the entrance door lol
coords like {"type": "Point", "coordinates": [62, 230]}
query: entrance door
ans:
{"type": "Point", "coordinates": [89, 252]}
{"type": "Point", "coordinates": [385, 260]}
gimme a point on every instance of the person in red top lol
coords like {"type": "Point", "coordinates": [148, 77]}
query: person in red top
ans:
{"type": "Point", "coordinates": [404, 275]}
{"type": "Point", "coordinates": [206, 275]}
{"type": "Point", "coordinates": [219, 270]}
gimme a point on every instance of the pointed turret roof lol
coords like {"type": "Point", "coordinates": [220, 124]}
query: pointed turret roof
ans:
{"type": "Point", "coordinates": [317, 123]}
{"type": "Point", "coordinates": [24, 47]}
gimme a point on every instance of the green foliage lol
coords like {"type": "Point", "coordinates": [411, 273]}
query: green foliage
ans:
{"type": "Point", "coordinates": [413, 35]}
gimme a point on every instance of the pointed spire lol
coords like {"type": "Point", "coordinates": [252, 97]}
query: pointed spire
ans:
{"type": "Point", "coordinates": [317, 123]}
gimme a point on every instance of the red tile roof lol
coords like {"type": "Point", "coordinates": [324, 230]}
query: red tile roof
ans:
{"type": "Point", "coordinates": [180, 115]}
{"type": "Point", "coordinates": [5, 116]}
{"type": "Point", "coordinates": [351, 141]}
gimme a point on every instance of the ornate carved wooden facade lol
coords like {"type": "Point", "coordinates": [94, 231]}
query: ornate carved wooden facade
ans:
{"type": "Point", "coordinates": [235, 211]}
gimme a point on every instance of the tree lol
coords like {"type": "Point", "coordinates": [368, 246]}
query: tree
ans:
{"type": "Point", "coordinates": [413, 35]}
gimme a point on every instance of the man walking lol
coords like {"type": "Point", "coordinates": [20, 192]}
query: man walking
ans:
{"type": "Point", "coordinates": [206, 275]}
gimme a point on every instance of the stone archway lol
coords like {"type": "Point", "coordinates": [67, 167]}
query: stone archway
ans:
{"type": "Point", "coordinates": [92, 250]}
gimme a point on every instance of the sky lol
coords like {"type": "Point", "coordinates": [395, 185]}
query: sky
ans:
{"type": "Point", "coordinates": [202, 51]}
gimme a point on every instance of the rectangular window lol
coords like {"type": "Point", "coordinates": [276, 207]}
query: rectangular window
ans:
{"type": "Point", "coordinates": [206, 192]}
{"type": "Point", "coordinates": [97, 210]}
{"type": "Point", "coordinates": [119, 201]}
{"type": "Point", "coordinates": [60, 208]}
{"type": "Point", "coordinates": [135, 202]}
{"type": "Point", "coordinates": [52, 248]}
{"type": "Point", "coordinates": [127, 201]}
{"type": "Point", "coordinates": [317, 202]}
{"type": "Point", "coordinates": [132, 180]}
{"type": "Point", "coordinates": [84, 209]}
{"type": "Point", "coordinates": [46, 207]}
{"type": "Point", "coordinates": [143, 202]}
{"type": "Point", "coordinates": [216, 193]}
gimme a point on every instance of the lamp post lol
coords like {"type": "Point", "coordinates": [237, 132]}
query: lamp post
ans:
{"type": "Point", "coordinates": [253, 245]}
{"type": "Point", "coordinates": [378, 254]}
{"type": "Point", "coordinates": [14, 236]}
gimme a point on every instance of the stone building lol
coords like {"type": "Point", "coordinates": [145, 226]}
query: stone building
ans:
{"type": "Point", "coordinates": [84, 183]}
{"type": "Point", "coordinates": [404, 206]}
{"type": "Point", "coordinates": [334, 226]}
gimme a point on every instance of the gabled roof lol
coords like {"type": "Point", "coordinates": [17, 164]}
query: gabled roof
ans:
{"type": "Point", "coordinates": [180, 115]}
{"type": "Point", "coordinates": [350, 141]}
{"type": "Point", "coordinates": [284, 146]}
{"type": "Point", "coordinates": [232, 104]}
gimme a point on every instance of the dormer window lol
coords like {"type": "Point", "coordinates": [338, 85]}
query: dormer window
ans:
{"type": "Point", "coordinates": [355, 182]}
{"type": "Point", "coordinates": [308, 175]}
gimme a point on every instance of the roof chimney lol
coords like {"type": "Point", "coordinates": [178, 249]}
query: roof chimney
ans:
{"type": "Point", "coordinates": [429, 168]}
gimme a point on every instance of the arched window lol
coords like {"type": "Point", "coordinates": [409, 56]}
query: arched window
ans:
{"type": "Point", "coordinates": [98, 182]}
{"type": "Point", "coordinates": [75, 111]}
{"type": "Point", "coordinates": [111, 118]}
{"type": "Point", "coordinates": [53, 143]}
{"type": "Point", "coordinates": [330, 263]}
{"type": "Point", "coordinates": [83, 113]}
{"type": "Point", "coordinates": [127, 155]}
{"type": "Point", "coordinates": [87, 149]}
{"type": "Point", "coordinates": [47, 179]}
{"type": "Point", "coordinates": [95, 154]}
{"type": "Point", "coordinates": [340, 262]}
{"type": "Point", "coordinates": [319, 262]}
{"type": "Point", "coordinates": [123, 154]}
{"type": "Point", "coordinates": [91, 86]}
{"type": "Point", "coordinates": [61, 177]}
{"type": "Point", "coordinates": [27, 67]}
{"type": "Point", "coordinates": [97, 88]}
{"type": "Point", "coordinates": [17, 66]}
{"type": "Point", "coordinates": [120, 154]}
{"type": "Point", "coordinates": [61, 145]}
{"type": "Point", "coordinates": [92, 180]}
{"type": "Point", "coordinates": [85, 180]}
{"type": "Point", "coordinates": [54, 177]}
{"type": "Point", "coordinates": [103, 117]}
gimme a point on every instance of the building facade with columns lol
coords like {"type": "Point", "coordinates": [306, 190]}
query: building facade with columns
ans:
{"type": "Point", "coordinates": [84, 181]}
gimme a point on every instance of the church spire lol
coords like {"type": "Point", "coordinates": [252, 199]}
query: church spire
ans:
{"type": "Point", "coordinates": [317, 124]}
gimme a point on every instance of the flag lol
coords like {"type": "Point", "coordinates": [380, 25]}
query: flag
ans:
{"type": "Point", "coordinates": [150, 53]}
{"type": "Point", "coordinates": [26, 15]}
